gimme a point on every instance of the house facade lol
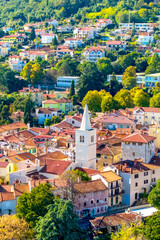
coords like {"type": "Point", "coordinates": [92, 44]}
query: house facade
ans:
{"type": "Point", "coordinates": [63, 104]}
{"type": "Point", "coordinates": [146, 115]}
{"type": "Point", "coordinates": [93, 54]}
{"type": "Point", "coordinates": [138, 146]}
{"type": "Point", "coordinates": [85, 32]}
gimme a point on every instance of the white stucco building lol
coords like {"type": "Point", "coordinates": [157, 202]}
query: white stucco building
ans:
{"type": "Point", "coordinates": [73, 42]}
{"type": "Point", "coordinates": [94, 53]}
{"type": "Point", "coordinates": [86, 143]}
{"type": "Point", "coordinates": [47, 38]}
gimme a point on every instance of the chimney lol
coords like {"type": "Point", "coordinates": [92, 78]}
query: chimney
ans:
{"type": "Point", "coordinates": [28, 126]}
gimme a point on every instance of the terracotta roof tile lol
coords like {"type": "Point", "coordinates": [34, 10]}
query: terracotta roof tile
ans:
{"type": "Point", "coordinates": [56, 167]}
{"type": "Point", "coordinates": [138, 138]}
{"type": "Point", "coordinates": [90, 186]}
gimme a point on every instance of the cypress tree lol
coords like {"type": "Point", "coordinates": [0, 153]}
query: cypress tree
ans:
{"type": "Point", "coordinates": [72, 89]}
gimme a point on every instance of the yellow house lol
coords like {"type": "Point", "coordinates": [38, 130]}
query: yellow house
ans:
{"type": "Point", "coordinates": [107, 155]}
{"type": "Point", "coordinates": [12, 38]}
{"type": "Point", "coordinates": [6, 168]}
{"type": "Point", "coordinates": [114, 184]}
{"type": "Point", "coordinates": [154, 131]}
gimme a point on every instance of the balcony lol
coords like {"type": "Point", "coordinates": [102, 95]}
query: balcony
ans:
{"type": "Point", "coordinates": [116, 193]}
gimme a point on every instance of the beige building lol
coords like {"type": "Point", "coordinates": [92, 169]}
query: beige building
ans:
{"type": "Point", "coordinates": [154, 130]}
{"type": "Point", "coordinates": [146, 115]}
{"type": "Point", "coordinates": [138, 178]}
{"type": "Point", "coordinates": [37, 95]}
{"type": "Point", "coordinates": [138, 145]}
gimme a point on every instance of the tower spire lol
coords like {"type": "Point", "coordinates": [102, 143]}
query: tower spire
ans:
{"type": "Point", "coordinates": [85, 125]}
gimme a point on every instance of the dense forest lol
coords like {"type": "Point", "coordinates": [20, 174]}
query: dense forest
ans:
{"type": "Point", "coordinates": [18, 12]}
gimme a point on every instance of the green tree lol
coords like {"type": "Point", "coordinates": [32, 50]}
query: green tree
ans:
{"type": "Point", "coordinates": [155, 101]}
{"type": "Point", "coordinates": [55, 41]}
{"type": "Point", "coordinates": [36, 73]}
{"type": "Point", "coordinates": [32, 205]}
{"type": "Point", "coordinates": [131, 232]}
{"type": "Point", "coordinates": [72, 89]}
{"type": "Point", "coordinates": [104, 66]}
{"type": "Point", "coordinates": [93, 100]}
{"type": "Point", "coordinates": [124, 99]}
{"type": "Point", "coordinates": [12, 227]}
{"type": "Point", "coordinates": [60, 222]}
{"type": "Point", "coordinates": [154, 64]}
{"type": "Point", "coordinates": [90, 79]}
{"type": "Point", "coordinates": [141, 99]}
{"type": "Point", "coordinates": [47, 122]}
{"type": "Point", "coordinates": [154, 196]}
{"type": "Point", "coordinates": [75, 174]}
{"type": "Point", "coordinates": [129, 78]}
{"type": "Point", "coordinates": [32, 34]}
{"type": "Point", "coordinates": [107, 103]}
{"type": "Point", "coordinates": [28, 109]}
{"type": "Point", "coordinates": [55, 119]}
{"type": "Point", "coordinates": [114, 85]}
{"type": "Point", "coordinates": [151, 228]}
{"type": "Point", "coordinates": [156, 89]}
{"type": "Point", "coordinates": [68, 66]}
{"type": "Point", "coordinates": [27, 71]}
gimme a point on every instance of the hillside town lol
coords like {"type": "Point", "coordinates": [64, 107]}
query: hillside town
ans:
{"type": "Point", "coordinates": [80, 120]}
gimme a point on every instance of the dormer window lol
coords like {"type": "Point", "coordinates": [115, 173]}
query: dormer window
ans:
{"type": "Point", "coordinates": [81, 138]}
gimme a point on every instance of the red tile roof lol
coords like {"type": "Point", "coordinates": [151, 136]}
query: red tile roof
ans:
{"type": "Point", "coordinates": [90, 172]}
{"type": "Point", "coordinates": [56, 167]}
{"type": "Point", "coordinates": [3, 164]}
{"type": "Point", "coordinates": [138, 138]}
{"type": "Point", "coordinates": [90, 186]}
{"type": "Point", "coordinates": [6, 196]}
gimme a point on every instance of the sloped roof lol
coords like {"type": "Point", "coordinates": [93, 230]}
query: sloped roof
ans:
{"type": "Point", "coordinates": [56, 167]}
{"type": "Point", "coordinates": [90, 186]}
{"type": "Point", "coordinates": [138, 138]}
{"type": "Point", "coordinates": [110, 176]}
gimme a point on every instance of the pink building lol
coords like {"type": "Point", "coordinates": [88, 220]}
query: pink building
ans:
{"type": "Point", "coordinates": [91, 198]}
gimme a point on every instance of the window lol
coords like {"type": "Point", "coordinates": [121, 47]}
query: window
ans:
{"type": "Point", "coordinates": [136, 196]}
{"type": "Point", "coordinates": [145, 173]}
{"type": "Point", "coordinates": [145, 181]}
{"type": "Point", "coordinates": [105, 199]}
{"type": "Point", "coordinates": [133, 153]}
{"type": "Point", "coordinates": [127, 143]}
{"type": "Point", "coordinates": [91, 193]}
{"type": "Point", "coordinates": [81, 138]}
{"type": "Point", "coordinates": [84, 195]}
{"type": "Point", "coordinates": [136, 176]}
{"type": "Point", "coordinates": [153, 172]}
{"type": "Point", "coordinates": [92, 138]}
{"type": "Point", "coordinates": [99, 192]}
{"type": "Point", "coordinates": [85, 204]}
{"type": "Point", "coordinates": [101, 209]}
{"type": "Point", "coordinates": [153, 179]}
{"type": "Point", "coordinates": [97, 209]}
{"type": "Point", "coordinates": [97, 200]}
{"type": "Point", "coordinates": [112, 201]}
{"type": "Point", "coordinates": [91, 202]}
{"type": "Point", "coordinates": [9, 168]}
{"type": "Point", "coordinates": [140, 144]}
{"type": "Point", "coordinates": [136, 184]}
{"type": "Point", "coordinates": [133, 143]}
{"type": "Point", "coordinates": [117, 200]}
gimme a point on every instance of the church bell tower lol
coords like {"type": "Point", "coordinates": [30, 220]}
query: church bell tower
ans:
{"type": "Point", "coordinates": [86, 143]}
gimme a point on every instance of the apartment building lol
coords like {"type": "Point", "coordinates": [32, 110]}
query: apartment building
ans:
{"type": "Point", "coordinates": [73, 42]}
{"type": "Point", "coordinates": [116, 45]}
{"type": "Point", "coordinates": [16, 62]}
{"type": "Point", "coordinates": [138, 26]}
{"type": "Point", "coordinates": [94, 53]}
{"type": "Point", "coordinates": [146, 115]}
{"type": "Point", "coordinates": [138, 178]}
{"type": "Point", "coordinates": [37, 94]}
{"type": "Point", "coordinates": [85, 32]}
